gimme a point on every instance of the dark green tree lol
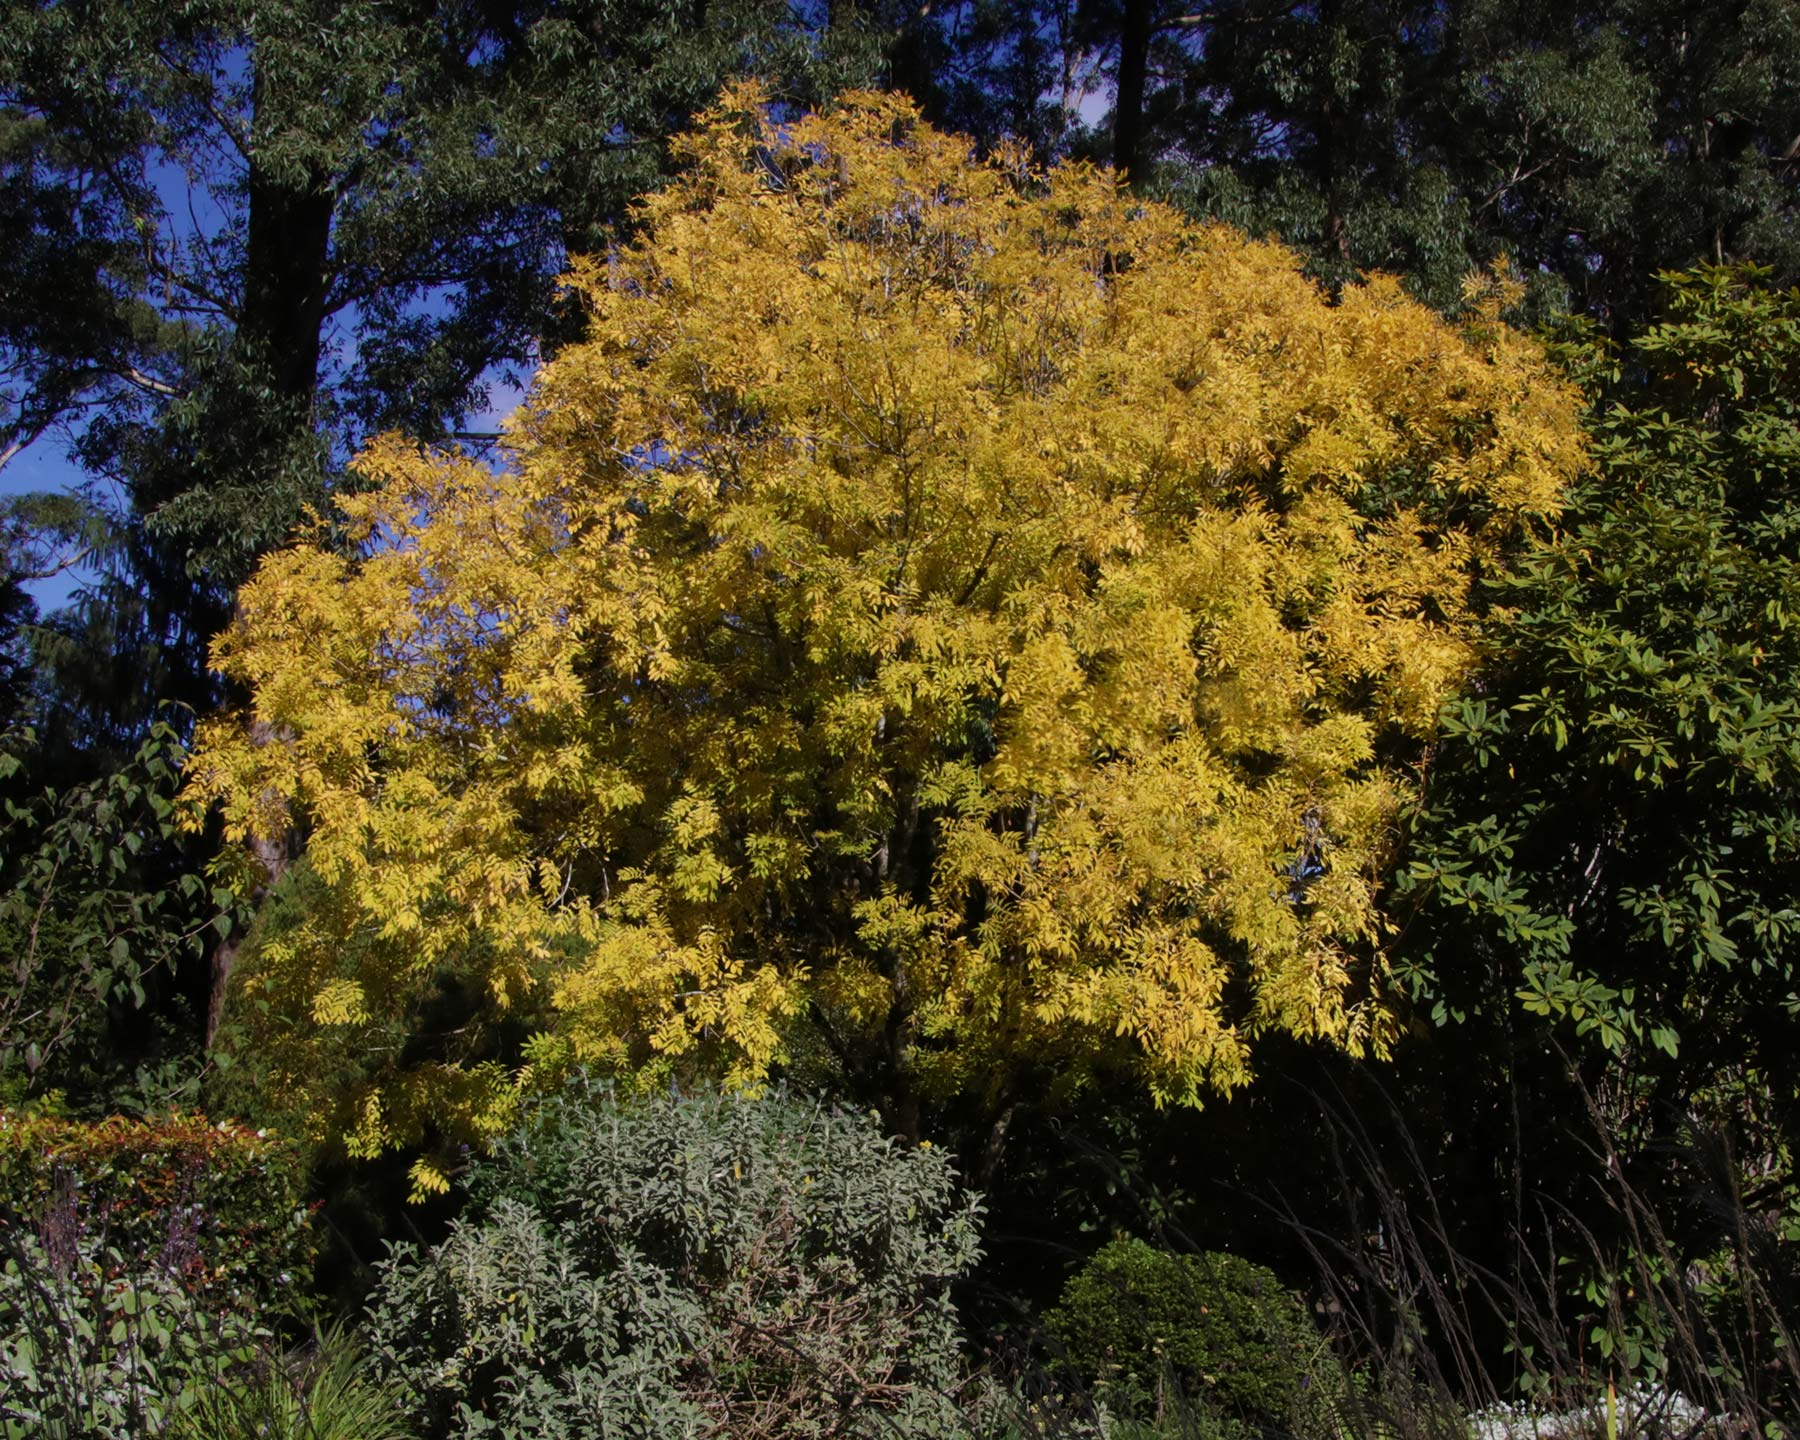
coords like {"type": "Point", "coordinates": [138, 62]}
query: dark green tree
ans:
{"type": "Point", "coordinates": [1326, 125]}
{"type": "Point", "coordinates": [1612, 831]}
{"type": "Point", "coordinates": [993, 69]}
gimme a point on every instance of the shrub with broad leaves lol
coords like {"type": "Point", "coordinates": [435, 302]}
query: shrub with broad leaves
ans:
{"type": "Point", "coordinates": [218, 1205]}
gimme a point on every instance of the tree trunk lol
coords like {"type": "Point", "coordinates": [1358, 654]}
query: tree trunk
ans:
{"type": "Point", "coordinates": [287, 260]}
{"type": "Point", "coordinates": [274, 857]}
{"type": "Point", "coordinates": [900, 1108]}
{"type": "Point", "coordinates": [287, 273]}
{"type": "Point", "coordinates": [1128, 111]}
{"type": "Point", "coordinates": [285, 280]}
{"type": "Point", "coordinates": [909, 63]}
{"type": "Point", "coordinates": [1333, 142]}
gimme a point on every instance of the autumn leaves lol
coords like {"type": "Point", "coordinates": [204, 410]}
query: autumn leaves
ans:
{"type": "Point", "coordinates": [907, 637]}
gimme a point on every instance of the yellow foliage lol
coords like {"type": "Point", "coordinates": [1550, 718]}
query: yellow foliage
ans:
{"type": "Point", "coordinates": [427, 1180]}
{"type": "Point", "coordinates": [973, 618]}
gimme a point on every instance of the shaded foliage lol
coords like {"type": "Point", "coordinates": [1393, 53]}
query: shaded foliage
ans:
{"type": "Point", "coordinates": [1611, 831]}
{"type": "Point", "coordinates": [100, 917]}
{"type": "Point", "coordinates": [1594, 144]}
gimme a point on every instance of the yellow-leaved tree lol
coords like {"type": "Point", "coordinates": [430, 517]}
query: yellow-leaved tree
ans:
{"type": "Point", "coordinates": [968, 623]}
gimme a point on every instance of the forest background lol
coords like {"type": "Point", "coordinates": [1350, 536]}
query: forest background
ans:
{"type": "Point", "coordinates": [241, 243]}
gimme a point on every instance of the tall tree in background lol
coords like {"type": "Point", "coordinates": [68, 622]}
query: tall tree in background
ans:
{"type": "Point", "coordinates": [993, 70]}
{"type": "Point", "coordinates": [1597, 145]}
{"type": "Point", "coordinates": [238, 239]}
{"type": "Point", "coordinates": [247, 236]}
{"type": "Point", "coordinates": [1593, 144]}
{"type": "Point", "coordinates": [1323, 123]}
{"type": "Point", "coordinates": [1609, 142]}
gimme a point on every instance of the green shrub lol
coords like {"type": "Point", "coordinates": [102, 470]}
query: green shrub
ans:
{"type": "Point", "coordinates": [1135, 1320]}
{"type": "Point", "coordinates": [217, 1204]}
{"type": "Point", "coordinates": [688, 1266]}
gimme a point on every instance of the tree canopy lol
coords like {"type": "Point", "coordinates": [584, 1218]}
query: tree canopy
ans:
{"type": "Point", "coordinates": [961, 614]}
{"type": "Point", "coordinates": [1593, 144]}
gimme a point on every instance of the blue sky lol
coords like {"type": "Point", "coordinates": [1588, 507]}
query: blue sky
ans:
{"type": "Point", "coordinates": [43, 466]}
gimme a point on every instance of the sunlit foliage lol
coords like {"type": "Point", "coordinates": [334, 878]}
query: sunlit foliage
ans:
{"type": "Point", "coordinates": [966, 617]}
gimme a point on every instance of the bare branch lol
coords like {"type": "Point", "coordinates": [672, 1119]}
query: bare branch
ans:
{"type": "Point", "coordinates": [27, 435]}
{"type": "Point", "coordinates": [149, 382]}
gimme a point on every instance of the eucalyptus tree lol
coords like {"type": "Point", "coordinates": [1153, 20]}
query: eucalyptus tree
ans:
{"type": "Point", "coordinates": [1590, 144]}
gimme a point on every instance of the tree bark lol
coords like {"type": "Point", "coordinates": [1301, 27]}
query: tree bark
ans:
{"type": "Point", "coordinates": [1128, 109]}
{"type": "Point", "coordinates": [285, 280]}
{"type": "Point", "coordinates": [274, 857]}
{"type": "Point", "coordinates": [281, 319]}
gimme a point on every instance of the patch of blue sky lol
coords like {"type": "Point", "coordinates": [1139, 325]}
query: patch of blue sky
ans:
{"type": "Point", "coordinates": [463, 641]}
{"type": "Point", "coordinates": [648, 459]}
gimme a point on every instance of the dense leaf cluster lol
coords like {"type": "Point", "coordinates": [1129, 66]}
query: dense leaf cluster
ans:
{"type": "Point", "coordinates": [688, 1267]}
{"type": "Point", "coordinates": [1612, 828]}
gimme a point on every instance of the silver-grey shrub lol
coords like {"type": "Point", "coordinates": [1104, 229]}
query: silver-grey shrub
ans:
{"type": "Point", "coordinates": [688, 1266]}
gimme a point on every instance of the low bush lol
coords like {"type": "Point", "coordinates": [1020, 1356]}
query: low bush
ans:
{"type": "Point", "coordinates": [1149, 1330]}
{"type": "Point", "coordinates": [219, 1205]}
{"type": "Point", "coordinates": [698, 1266]}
